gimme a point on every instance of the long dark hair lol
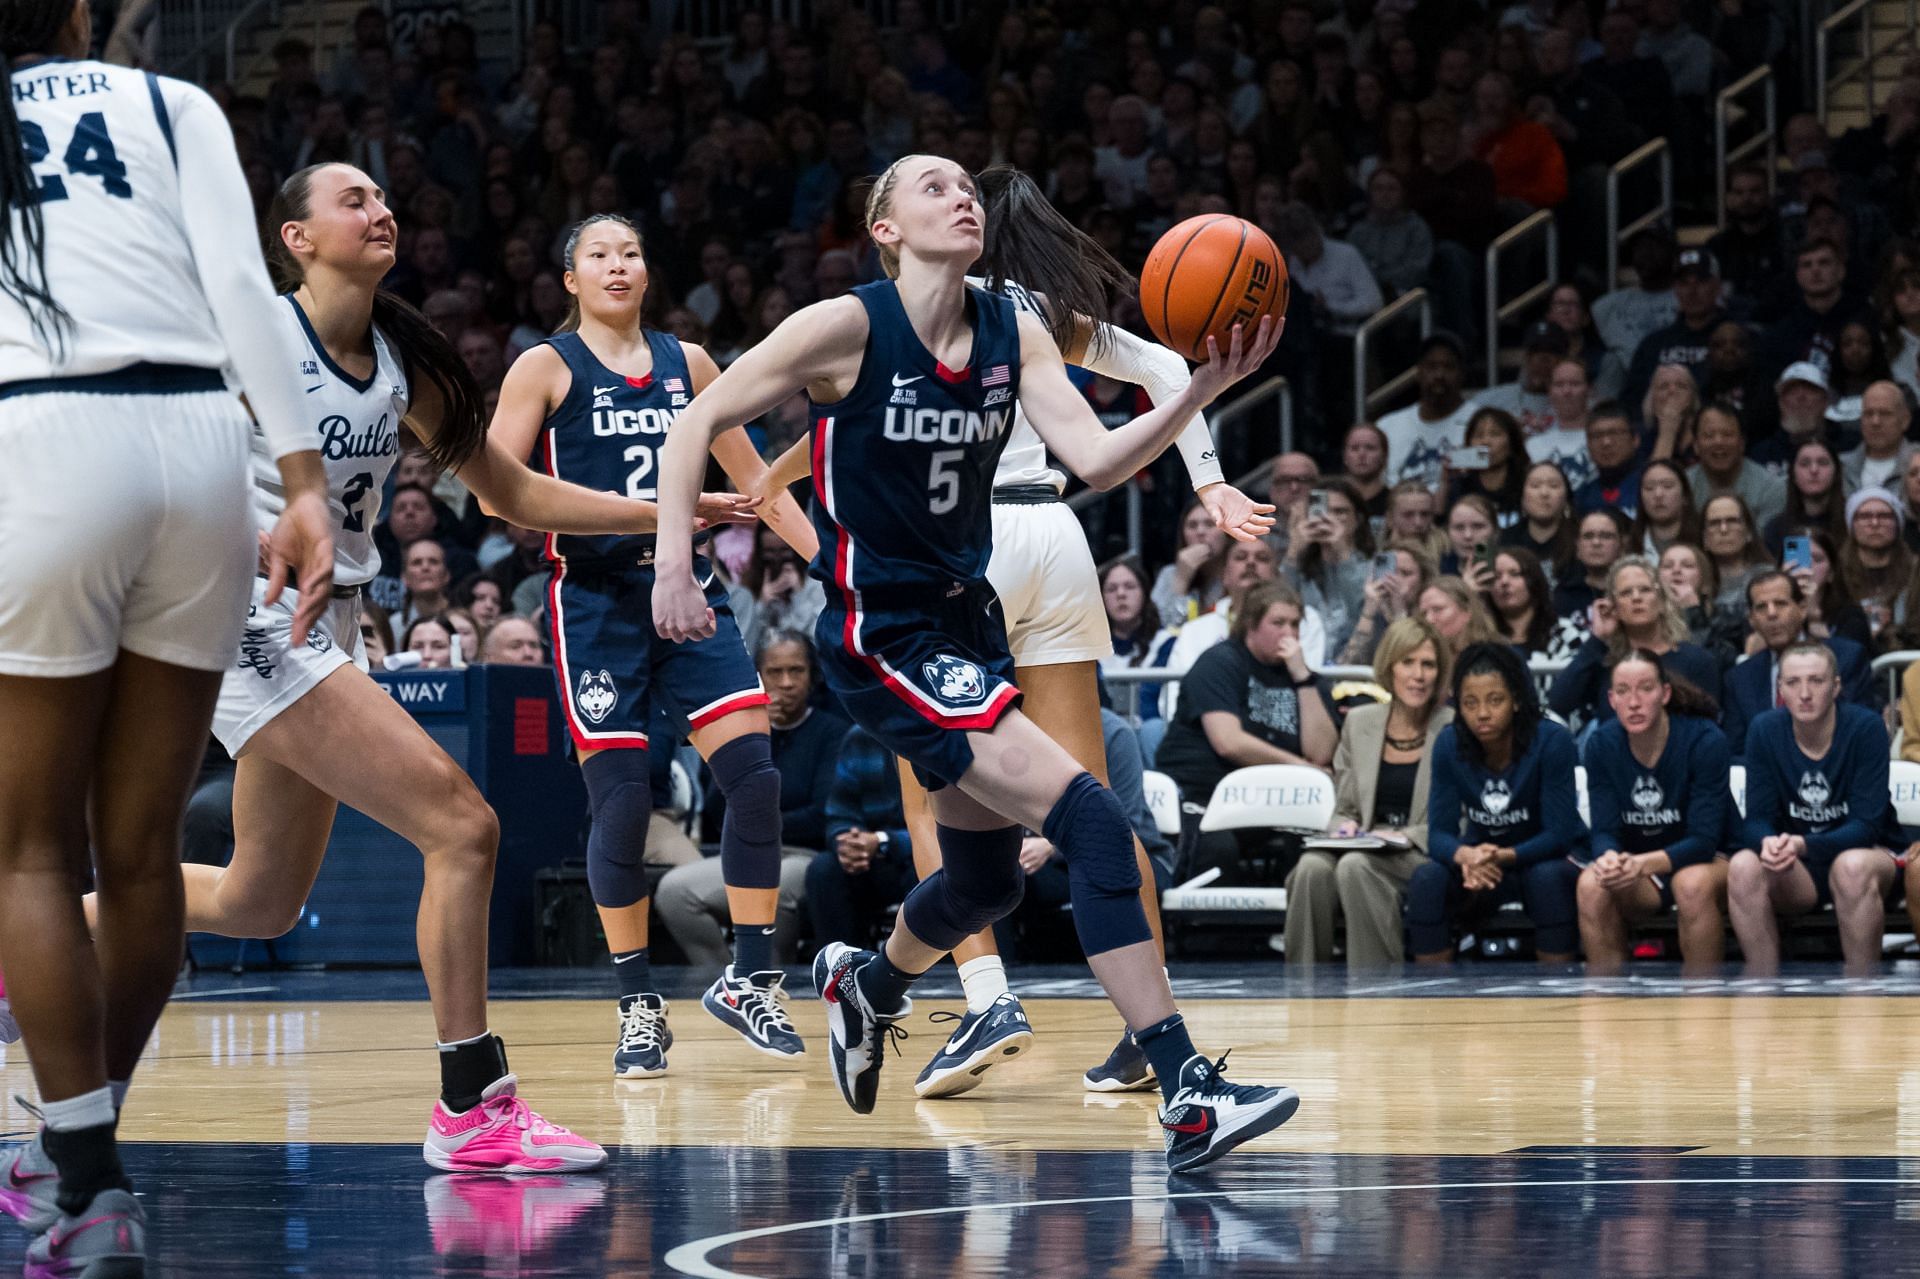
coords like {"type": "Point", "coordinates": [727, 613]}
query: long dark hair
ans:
{"type": "Point", "coordinates": [1560, 550]}
{"type": "Point", "coordinates": [1507, 497]}
{"type": "Point", "coordinates": [1834, 519]}
{"type": "Point", "coordinates": [28, 26]}
{"type": "Point", "coordinates": [1686, 699]}
{"type": "Point", "coordinates": [1031, 244]}
{"type": "Point", "coordinates": [1690, 529]}
{"type": "Point", "coordinates": [1542, 619]}
{"type": "Point", "coordinates": [1498, 660]}
{"type": "Point", "coordinates": [423, 351]}
{"type": "Point", "coordinates": [1835, 596]}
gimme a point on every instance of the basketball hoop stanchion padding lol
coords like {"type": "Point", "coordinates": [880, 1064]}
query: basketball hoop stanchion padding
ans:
{"type": "Point", "coordinates": [504, 726]}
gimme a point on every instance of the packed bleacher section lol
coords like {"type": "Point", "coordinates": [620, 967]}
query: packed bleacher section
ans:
{"type": "Point", "coordinates": [1654, 449]}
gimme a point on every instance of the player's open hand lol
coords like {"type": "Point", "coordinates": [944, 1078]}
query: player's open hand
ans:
{"type": "Point", "coordinates": [680, 611]}
{"type": "Point", "coordinates": [300, 550]}
{"type": "Point", "coordinates": [1236, 514]}
{"type": "Point", "coordinates": [725, 508]}
{"type": "Point", "coordinates": [1246, 351]}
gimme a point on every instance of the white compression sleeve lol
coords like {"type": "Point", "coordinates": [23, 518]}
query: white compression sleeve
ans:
{"type": "Point", "coordinates": [1126, 357]}
{"type": "Point", "coordinates": [218, 212]}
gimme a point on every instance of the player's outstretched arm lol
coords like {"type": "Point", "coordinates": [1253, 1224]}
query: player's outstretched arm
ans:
{"type": "Point", "coordinates": [1104, 459]}
{"type": "Point", "coordinates": [734, 450]}
{"type": "Point", "coordinates": [509, 488]}
{"type": "Point", "coordinates": [789, 468]}
{"type": "Point", "coordinates": [818, 348]}
{"type": "Point", "coordinates": [1113, 352]}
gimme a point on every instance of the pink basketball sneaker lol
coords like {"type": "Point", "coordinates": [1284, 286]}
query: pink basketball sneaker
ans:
{"type": "Point", "coordinates": [9, 1028]}
{"type": "Point", "coordinates": [502, 1135]}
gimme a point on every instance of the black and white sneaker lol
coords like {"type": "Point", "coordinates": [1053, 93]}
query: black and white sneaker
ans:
{"type": "Point", "coordinates": [1207, 1116]}
{"type": "Point", "coordinates": [644, 1038]}
{"type": "Point", "coordinates": [755, 1007]}
{"type": "Point", "coordinates": [1126, 1069]}
{"type": "Point", "coordinates": [854, 1029]}
{"type": "Point", "coordinates": [982, 1041]}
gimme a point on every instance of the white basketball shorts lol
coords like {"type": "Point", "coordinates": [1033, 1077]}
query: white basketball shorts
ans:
{"type": "Point", "coordinates": [125, 523]}
{"type": "Point", "coordinates": [271, 673]}
{"type": "Point", "coordinates": [1049, 590]}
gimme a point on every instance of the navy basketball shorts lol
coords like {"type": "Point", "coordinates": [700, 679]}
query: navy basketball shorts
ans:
{"type": "Point", "coordinates": [921, 678]}
{"type": "Point", "coordinates": [611, 664]}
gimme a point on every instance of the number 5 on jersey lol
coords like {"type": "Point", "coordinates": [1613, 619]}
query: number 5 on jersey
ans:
{"type": "Point", "coordinates": [943, 481]}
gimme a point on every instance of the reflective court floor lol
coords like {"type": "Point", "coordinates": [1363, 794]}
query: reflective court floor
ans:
{"type": "Point", "coordinates": [1495, 1122]}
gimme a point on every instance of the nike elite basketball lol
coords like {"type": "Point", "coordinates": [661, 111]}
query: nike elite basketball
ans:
{"type": "Point", "coordinates": [1206, 275]}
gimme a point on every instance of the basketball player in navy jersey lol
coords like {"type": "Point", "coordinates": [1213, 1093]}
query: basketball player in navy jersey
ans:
{"type": "Point", "coordinates": [593, 405]}
{"type": "Point", "coordinates": [912, 382]}
{"type": "Point", "coordinates": [1043, 574]}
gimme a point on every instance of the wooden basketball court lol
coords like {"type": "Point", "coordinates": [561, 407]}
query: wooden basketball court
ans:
{"type": "Point", "coordinates": [1503, 1123]}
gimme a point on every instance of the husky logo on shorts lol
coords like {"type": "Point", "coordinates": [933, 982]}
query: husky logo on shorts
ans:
{"type": "Point", "coordinates": [955, 679]}
{"type": "Point", "coordinates": [317, 641]}
{"type": "Point", "coordinates": [1495, 797]}
{"type": "Point", "coordinates": [596, 695]}
{"type": "Point", "coordinates": [1647, 795]}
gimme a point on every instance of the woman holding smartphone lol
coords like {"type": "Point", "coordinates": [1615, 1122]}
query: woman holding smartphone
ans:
{"type": "Point", "coordinates": [1810, 556]}
{"type": "Point", "coordinates": [1395, 582]}
{"type": "Point", "coordinates": [1472, 525]}
{"type": "Point", "coordinates": [1493, 465]}
{"type": "Point", "coordinates": [1329, 556]}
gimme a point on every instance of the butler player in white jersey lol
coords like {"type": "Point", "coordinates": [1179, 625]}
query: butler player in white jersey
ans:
{"type": "Point", "coordinates": [310, 729]}
{"type": "Point", "coordinates": [129, 278]}
{"type": "Point", "coordinates": [1044, 576]}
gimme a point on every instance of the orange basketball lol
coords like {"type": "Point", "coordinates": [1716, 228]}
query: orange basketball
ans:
{"type": "Point", "coordinates": [1206, 275]}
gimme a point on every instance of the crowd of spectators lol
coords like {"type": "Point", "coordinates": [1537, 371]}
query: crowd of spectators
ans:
{"type": "Point", "coordinates": [1664, 447]}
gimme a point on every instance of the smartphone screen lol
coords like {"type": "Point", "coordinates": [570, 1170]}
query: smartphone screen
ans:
{"type": "Point", "coordinates": [1473, 458]}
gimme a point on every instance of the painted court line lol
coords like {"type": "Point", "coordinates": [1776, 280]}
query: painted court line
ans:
{"type": "Point", "coordinates": [218, 994]}
{"type": "Point", "coordinates": [691, 1258]}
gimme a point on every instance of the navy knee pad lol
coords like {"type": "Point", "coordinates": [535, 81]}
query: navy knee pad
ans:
{"type": "Point", "coordinates": [750, 835]}
{"type": "Point", "coordinates": [979, 882]}
{"type": "Point", "coordinates": [620, 791]}
{"type": "Point", "coordinates": [1092, 833]}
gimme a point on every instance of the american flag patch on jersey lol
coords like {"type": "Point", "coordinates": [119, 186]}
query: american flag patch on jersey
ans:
{"type": "Point", "coordinates": [998, 375]}
{"type": "Point", "coordinates": [675, 384]}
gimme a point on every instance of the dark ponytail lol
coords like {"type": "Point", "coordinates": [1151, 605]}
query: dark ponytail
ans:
{"type": "Point", "coordinates": [1030, 243]}
{"type": "Point", "coordinates": [27, 27]}
{"type": "Point", "coordinates": [423, 351]}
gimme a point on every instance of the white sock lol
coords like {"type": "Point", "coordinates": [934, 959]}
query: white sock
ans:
{"type": "Point", "coordinates": [461, 1043]}
{"type": "Point", "coordinates": [119, 1087]}
{"type": "Point", "coordinates": [88, 1110]}
{"type": "Point", "coordinates": [985, 980]}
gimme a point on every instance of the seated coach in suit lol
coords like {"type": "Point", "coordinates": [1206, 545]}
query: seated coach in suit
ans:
{"type": "Point", "coordinates": [1380, 772]}
{"type": "Point", "coordinates": [1777, 610]}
